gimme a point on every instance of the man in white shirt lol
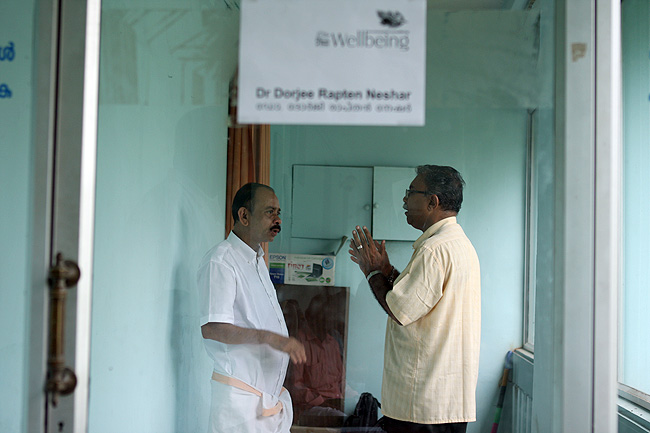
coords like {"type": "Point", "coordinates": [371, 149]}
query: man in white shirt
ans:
{"type": "Point", "coordinates": [434, 306]}
{"type": "Point", "coordinates": [242, 324]}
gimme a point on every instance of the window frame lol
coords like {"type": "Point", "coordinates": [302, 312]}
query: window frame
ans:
{"type": "Point", "coordinates": [530, 239]}
{"type": "Point", "coordinates": [634, 395]}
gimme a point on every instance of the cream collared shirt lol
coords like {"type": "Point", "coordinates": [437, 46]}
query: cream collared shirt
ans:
{"type": "Point", "coordinates": [431, 362]}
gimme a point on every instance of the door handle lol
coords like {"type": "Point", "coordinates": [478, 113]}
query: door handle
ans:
{"type": "Point", "coordinates": [61, 380]}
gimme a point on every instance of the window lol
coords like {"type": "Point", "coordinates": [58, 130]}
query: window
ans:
{"type": "Point", "coordinates": [634, 320]}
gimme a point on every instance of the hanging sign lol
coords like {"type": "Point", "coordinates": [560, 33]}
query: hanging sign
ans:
{"type": "Point", "coordinates": [343, 62]}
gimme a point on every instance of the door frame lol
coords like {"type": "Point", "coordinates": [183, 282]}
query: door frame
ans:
{"type": "Point", "coordinates": [66, 79]}
{"type": "Point", "coordinates": [588, 223]}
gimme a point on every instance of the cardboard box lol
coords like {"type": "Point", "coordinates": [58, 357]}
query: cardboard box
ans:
{"type": "Point", "coordinates": [303, 269]}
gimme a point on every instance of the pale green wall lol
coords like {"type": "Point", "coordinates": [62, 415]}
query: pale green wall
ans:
{"type": "Point", "coordinates": [485, 139]}
{"type": "Point", "coordinates": [16, 25]}
{"type": "Point", "coordinates": [161, 170]}
{"type": "Point", "coordinates": [488, 147]}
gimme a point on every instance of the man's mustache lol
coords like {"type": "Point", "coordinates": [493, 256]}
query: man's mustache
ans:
{"type": "Point", "coordinates": [277, 226]}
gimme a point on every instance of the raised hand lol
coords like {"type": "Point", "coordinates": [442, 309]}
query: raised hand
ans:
{"type": "Point", "coordinates": [369, 254]}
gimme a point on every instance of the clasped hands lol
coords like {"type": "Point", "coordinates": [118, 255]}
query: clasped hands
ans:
{"type": "Point", "coordinates": [369, 254]}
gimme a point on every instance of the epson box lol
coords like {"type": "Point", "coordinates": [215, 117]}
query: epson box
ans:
{"type": "Point", "coordinates": [302, 269]}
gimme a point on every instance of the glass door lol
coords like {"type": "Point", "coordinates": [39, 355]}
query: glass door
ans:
{"type": "Point", "coordinates": [15, 194]}
{"type": "Point", "coordinates": [165, 70]}
{"type": "Point", "coordinates": [139, 225]}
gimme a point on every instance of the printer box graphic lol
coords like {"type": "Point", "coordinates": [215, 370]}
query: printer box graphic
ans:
{"type": "Point", "coordinates": [302, 269]}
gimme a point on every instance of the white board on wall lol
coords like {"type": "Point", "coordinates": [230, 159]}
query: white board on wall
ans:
{"type": "Point", "coordinates": [332, 62]}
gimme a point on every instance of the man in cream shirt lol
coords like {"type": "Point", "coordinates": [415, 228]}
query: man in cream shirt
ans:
{"type": "Point", "coordinates": [434, 306]}
{"type": "Point", "coordinates": [242, 324]}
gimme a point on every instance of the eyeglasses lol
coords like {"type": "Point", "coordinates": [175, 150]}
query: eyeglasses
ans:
{"type": "Point", "coordinates": [409, 191]}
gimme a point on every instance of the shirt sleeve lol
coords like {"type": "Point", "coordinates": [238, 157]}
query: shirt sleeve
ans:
{"type": "Point", "coordinates": [418, 289]}
{"type": "Point", "coordinates": [218, 287]}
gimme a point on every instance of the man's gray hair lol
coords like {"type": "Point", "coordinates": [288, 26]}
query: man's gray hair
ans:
{"type": "Point", "coordinates": [446, 183]}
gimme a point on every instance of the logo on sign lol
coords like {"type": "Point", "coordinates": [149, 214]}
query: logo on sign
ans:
{"type": "Point", "coordinates": [391, 19]}
{"type": "Point", "coordinates": [384, 39]}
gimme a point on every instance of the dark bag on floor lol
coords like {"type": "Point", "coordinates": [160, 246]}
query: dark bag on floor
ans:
{"type": "Point", "coordinates": [365, 413]}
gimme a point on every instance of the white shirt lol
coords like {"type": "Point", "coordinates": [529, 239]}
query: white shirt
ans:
{"type": "Point", "coordinates": [235, 287]}
{"type": "Point", "coordinates": [431, 363]}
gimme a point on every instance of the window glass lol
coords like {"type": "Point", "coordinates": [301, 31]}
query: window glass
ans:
{"type": "Point", "coordinates": [635, 301]}
{"type": "Point", "coordinates": [16, 54]}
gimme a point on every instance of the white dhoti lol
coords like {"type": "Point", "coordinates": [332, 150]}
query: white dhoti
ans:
{"type": "Point", "coordinates": [237, 410]}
